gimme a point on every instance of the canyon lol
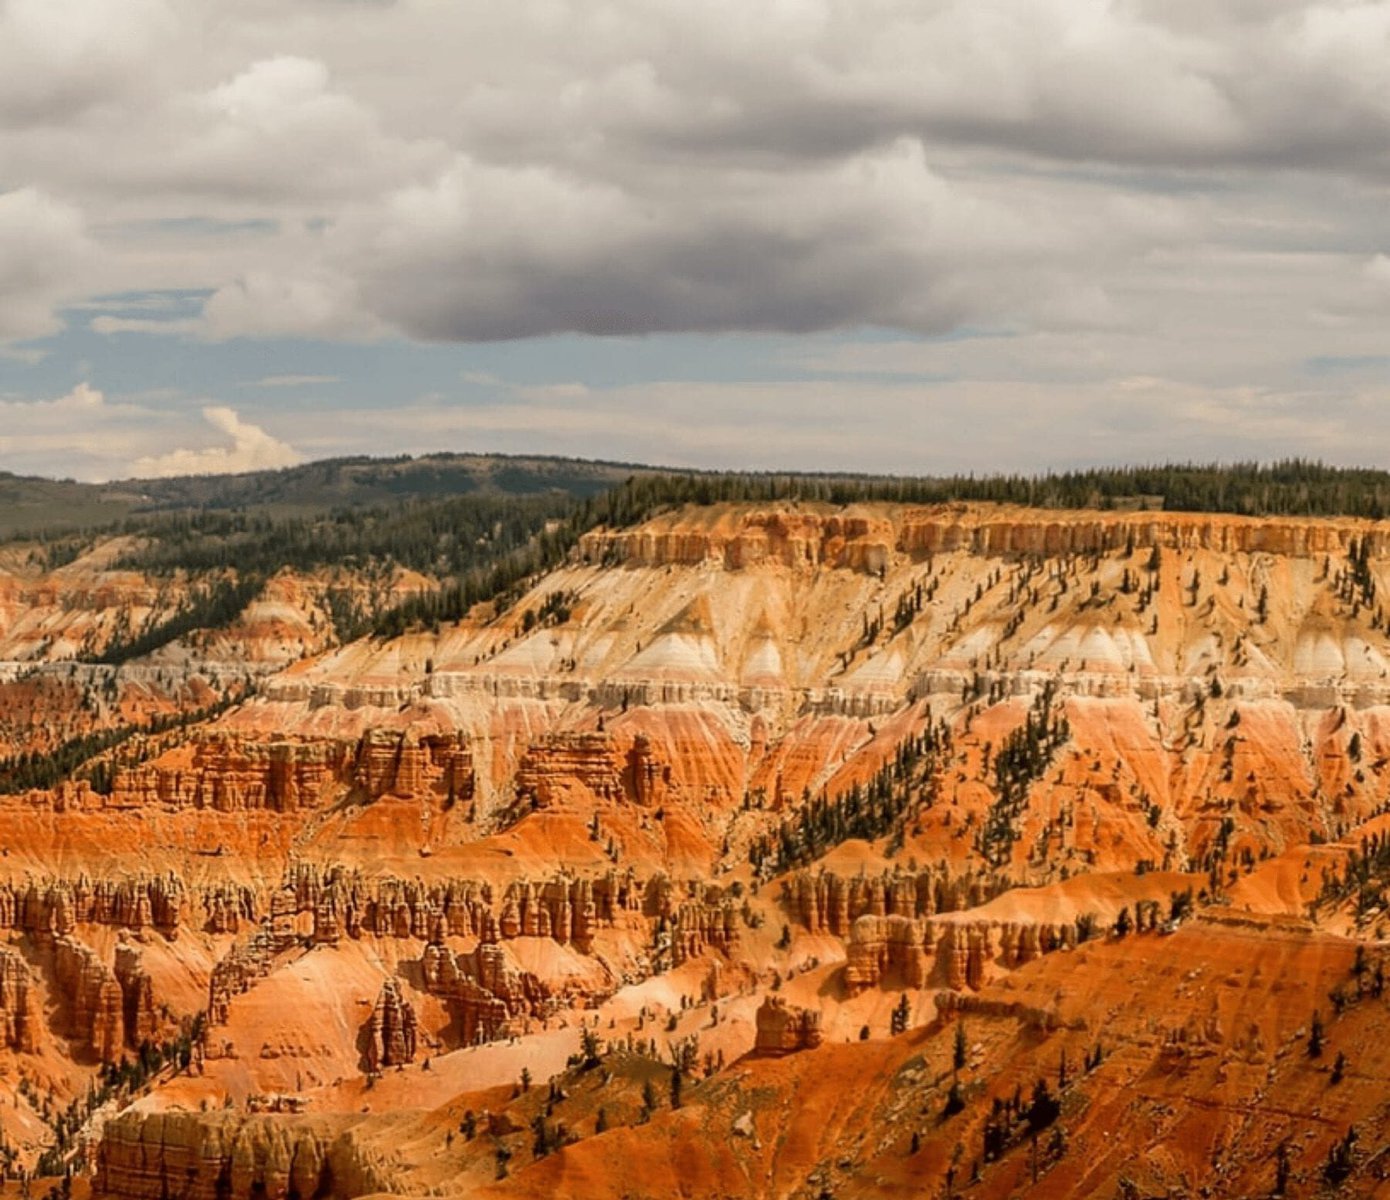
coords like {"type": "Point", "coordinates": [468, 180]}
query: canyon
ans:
{"type": "Point", "coordinates": [787, 849]}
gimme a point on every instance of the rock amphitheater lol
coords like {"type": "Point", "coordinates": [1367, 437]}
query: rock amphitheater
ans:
{"type": "Point", "coordinates": [865, 851]}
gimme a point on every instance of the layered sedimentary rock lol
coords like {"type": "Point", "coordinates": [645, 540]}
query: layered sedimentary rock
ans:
{"type": "Point", "coordinates": [783, 1028]}
{"type": "Point", "coordinates": [192, 1156]}
{"type": "Point", "coordinates": [1224, 698]}
{"type": "Point", "coordinates": [485, 990]}
{"type": "Point", "coordinates": [413, 764]}
{"type": "Point", "coordinates": [595, 764]}
{"type": "Point", "coordinates": [54, 907]}
{"type": "Point", "coordinates": [345, 903]}
{"type": "Point", "coordinates": [966, 950]}
{"type": "Point", "coordinates": [692, 918]}
{"type": "Point", "coordinates": [140, 1022]}
{"type": "Point", "coordinates": [828, 903]}
{"type": "Point", "coordinates": [851, 541]}
{"type": "Point", "coordinates": [391, 1029]}
{"type": "Point", "coordinates": [235, 973]}
{"type": "Point", "coordinates": [879, 946]}
{"type": "Point", "coordinates": [956, 953]}
{"type": "Point", "coordinates": [20, 1015]}
{"type": "Point", "coordinates": [229, 772]}
{"type": "Point", "coordinates": [93, 997]}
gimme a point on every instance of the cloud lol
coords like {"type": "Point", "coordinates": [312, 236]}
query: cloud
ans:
{"type": "Point", "coordinates": [322, 304]}
{"type": "Point", "coordinates": [77, 434]}
{"type": "Point", "coordinates": [159, 325]}
{"type": "Point", "coordinates": [1163, 189]}
{"type": "Point", "coordinates": [44, 250]}
{"type": "Point", "coordinates": [251, 449]}
{"type": "Point", "coordinates": [58, 58]}
{"type": "Point", "coordinates": [475, 173]}
{"type": "Point", "coordinates": [903, 425]}
{"type": "Point", "coordinates": [293, 381]}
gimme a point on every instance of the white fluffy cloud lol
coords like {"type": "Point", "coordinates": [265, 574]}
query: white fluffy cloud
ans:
{"type": "Point", "coordinates": [85, 435]}
{"type": "Point", "coordinates": [250, 449]}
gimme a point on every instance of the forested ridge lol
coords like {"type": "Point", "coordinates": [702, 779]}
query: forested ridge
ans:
{"type": "Point", "coordinates": [478, 527]}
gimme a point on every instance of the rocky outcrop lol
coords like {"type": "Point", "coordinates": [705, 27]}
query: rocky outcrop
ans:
{"type": "Point", "coordinates": [486, 992]}
{"type": "Point", "coordinates": [234, 974]}
{"type": "Point", "coordinates": [140, 1022]}
{"type": "Point", "coordinates": [412, 764]}
{"type": "Point", "coordinates": [345, 903]}
{"type": "Point", "coordinates": [93, 999]}
{"type": "Point", "coordinates": [227, 906]}
{"type": "Point", "coordinates": [691, 918]}
{"type": "Point", "coordinates": [391, 1029]}
{"type": "Point", "coordinates": [749, 539]}
{"type": "Point", "coordinates": [960, 1004]}
{"type": "Point", "coordinates": [592, 766]}
{"type": "Point", "coordinates": [231, 773]}
{"type": "Point", "coordinates": [828, 903]}
{"type": "Point", "coordinates": [53, 908]}
{"type": "Point", "coordinates": [967, 950]}
{"type": "Point", "coordinates": [957, 953]}
{"type": "Point", "coordinates": [883, 946]}
{"type": "Point", "coordinates": [866, 542]}
{"type": "Point", "coordinates": [20, 1015]}
{"type": "Point", "coordinates": [783, 1028]}
{"type": "Point", "coordinates": [227, 1156]}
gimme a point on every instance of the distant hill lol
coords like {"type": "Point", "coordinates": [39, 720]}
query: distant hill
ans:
{"type": "Point", "coordinates": [31, 506]}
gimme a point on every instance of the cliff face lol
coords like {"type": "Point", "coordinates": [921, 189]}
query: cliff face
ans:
{"type": "Point", "coordinates": [96, 1002]}
{"type": "Point", "coordinates": [764, 778]}
{"type": "Point", "coordinates": [866, 538]}
{"type": "Point", "coordinates": [232, 773]}
{"type": "Point", "coordinates": [20, 1017]}
{"type": "Point", "coordinates": [228, 1156]}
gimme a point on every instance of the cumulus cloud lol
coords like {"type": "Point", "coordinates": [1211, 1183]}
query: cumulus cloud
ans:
{"type": "Point", "coordinates": [43, 251]}
{"type": "Point", "coordinates": [59, 58]}
{"type": "Point", "coordinates": [250, 449]}
{"type": "Point", "coordinates": [478, 172]}
{"type": "Point", "coordinates": [85, 434]}
{"type": "Point", "coordinates": [79, 433]}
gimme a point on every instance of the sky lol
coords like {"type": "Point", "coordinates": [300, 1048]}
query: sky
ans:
{"type": "Point", "coordinates": [887, 235]}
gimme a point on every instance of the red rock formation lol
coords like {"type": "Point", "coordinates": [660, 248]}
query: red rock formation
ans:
{"type": "Point", "coordinates": [784, 1028]}
{"type": "Point", "coordinates": [829, 903]}
{"type": "Point", "coordinates": [229, 772]}
{"type": "Point", "coordinates": [391, 1030]}
{"type": "Point", "coordinates": [93, 997]}
{"type": "Point", "coordinates": [555, 766]}
{"type": "Point", "coordinates": [227, 1156]}
{"type": "Point", "coordinates": [20, 1018]}
{"type": "Point", "coordinates": [54, 907]}
{"type": "Point", "coordinates": [880, 946]}
{"type": "Point", "coordinates": [235, 974]}
{"type": "Point", "coordinates": [139, 1019]}
{"type": "Point", "coordinates": [486, 990]}
{"type": "Point", "coordinates": [750, 537]}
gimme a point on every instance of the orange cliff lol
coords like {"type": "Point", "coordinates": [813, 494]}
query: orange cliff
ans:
{"type": "Point", "coordinates": [695, 801]}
